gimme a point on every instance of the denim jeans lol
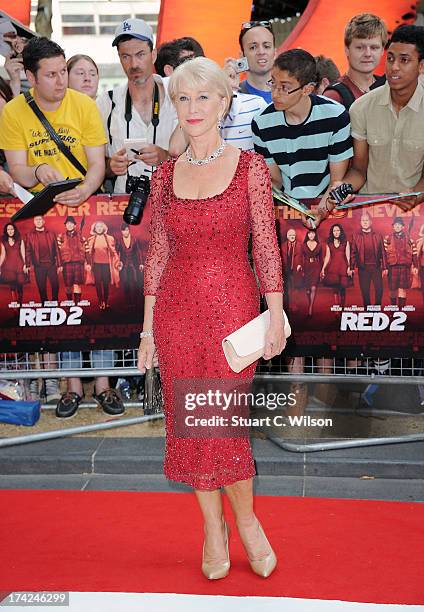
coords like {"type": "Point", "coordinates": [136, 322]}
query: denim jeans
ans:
{"type": "Point", "coordinates": [72, 360]}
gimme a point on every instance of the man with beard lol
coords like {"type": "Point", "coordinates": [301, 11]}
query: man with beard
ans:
{"type": "Point", "coordinates": [127, 110]}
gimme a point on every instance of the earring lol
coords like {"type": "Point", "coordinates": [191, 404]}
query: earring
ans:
{"type": "Point", "coordinates": [219, 124]}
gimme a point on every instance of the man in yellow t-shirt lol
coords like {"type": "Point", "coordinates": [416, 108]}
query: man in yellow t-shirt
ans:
{"type": "Point", "coordinates": [33, 158]}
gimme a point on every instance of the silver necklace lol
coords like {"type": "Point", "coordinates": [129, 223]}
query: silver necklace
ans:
{"type": "Point", "coordinates": [206, 160]}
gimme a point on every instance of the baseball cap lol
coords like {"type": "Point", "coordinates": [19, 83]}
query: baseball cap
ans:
{"type": "Point", "coordinates": [137, 28]}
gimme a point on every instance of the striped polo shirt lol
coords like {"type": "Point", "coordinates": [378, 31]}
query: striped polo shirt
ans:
{"type": "Point", "coordinates": [303, 152]}
{"type": "Point", "coordinates": [237, 128]}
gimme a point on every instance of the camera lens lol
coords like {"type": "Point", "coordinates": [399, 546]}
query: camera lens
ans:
{"type": "Point", "coordinates": [140, 187]}
{"type": "Point", "coordinates": [134, 210]}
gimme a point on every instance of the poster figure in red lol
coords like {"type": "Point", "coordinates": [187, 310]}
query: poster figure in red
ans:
{"type": "Point", "coordinates": [291, 251]}
{"type": "Point", "coordinates": [104, 261]}
{"type": "Point", "coordinates": [12, 262]}
{"type": "Point", "coordinates": [336, 272]}
{"type": "Point", "coordinates": [420, 259]}
{"type": "Point", "coordinates": [130, 266]}
{"type": "Point", "coordinates": [72, 256]}
{"type": "Point", "coordinates": [42, 256]}
{"type": "Point", "coordinates": [312, 260]}
{"type": "Point", "coordinates": [368, 256]}
{"type": "Point", "coordinates": [401, 256]}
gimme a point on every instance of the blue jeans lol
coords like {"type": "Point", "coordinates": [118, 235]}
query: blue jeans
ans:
{"type": "Point", "coordinates": [72, 360]}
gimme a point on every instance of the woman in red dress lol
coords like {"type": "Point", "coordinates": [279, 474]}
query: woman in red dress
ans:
{"type": "Point", "coordinates": [199, 288]}
{"type": "Point", "coordinates": [12, 261]}
{"type": "Point", "coordinates": [335, 270]}
{"type": "Point", "coordinates": [311, 265]}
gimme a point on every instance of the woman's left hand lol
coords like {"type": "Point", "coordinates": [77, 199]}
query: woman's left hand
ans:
{"type": "Point", "coordinates": [275, 340]}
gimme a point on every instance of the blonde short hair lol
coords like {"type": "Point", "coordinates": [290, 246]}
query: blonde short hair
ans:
{"type": "Point", "coordinates": [95, 224]}
{"type": "Point", "coordinates": [197, 72]}
{"type": "Point", "coordinates": [365, 25]}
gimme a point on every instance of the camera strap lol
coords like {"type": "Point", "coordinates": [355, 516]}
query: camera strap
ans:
{"type": "Point", "coordinates": [155, 111]}
{"type": "Point", "coordinates": [53, 134]}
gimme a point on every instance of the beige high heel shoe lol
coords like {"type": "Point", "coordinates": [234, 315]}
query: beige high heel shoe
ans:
{"type": "Point", "coordinates": [215, 571]}
{"type": "Point", "coordinates": [264, 567]}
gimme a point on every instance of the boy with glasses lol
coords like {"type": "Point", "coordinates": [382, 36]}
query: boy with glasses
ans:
{"type": "Point", "coordinates": [304, 138]}
{"type": "Point", "coordinates": [257, 43]}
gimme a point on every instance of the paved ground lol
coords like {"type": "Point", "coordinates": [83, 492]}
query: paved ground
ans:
{"type": "Point", "coordinates": [130, 458]}
{"type": "Point", "coordinates": [135, 464]}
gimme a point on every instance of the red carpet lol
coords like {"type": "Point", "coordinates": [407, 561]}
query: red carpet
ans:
{"type": "Point", "coordinates": [364, 551]}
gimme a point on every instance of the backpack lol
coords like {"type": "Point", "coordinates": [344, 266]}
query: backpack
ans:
{"type": "Point", "coordinates": [347, 96]}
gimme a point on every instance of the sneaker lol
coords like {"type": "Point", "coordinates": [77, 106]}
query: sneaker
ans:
{"type": "Point", "coordinates": [110, 401]}
{"type": "Point", "coordinates": [68, 405]}
{"type": "Point", "coordinates": [52, 390]}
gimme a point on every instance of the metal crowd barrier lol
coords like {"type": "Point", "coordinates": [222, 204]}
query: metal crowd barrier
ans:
{"type": "Point", "coordinates": [365, 370]}
{"type": "Point", "coordinates": [359, 370]}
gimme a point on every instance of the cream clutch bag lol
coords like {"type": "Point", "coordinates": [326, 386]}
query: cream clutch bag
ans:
{"type": "Point", "coordinates": [247, 344]}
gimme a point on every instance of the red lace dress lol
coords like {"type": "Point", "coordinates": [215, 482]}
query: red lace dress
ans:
{"type": "Point", "coordinates": [198, 269]}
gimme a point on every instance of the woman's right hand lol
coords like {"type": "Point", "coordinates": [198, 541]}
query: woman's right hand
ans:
{"type": "Point", "coordinates": [147, 356]}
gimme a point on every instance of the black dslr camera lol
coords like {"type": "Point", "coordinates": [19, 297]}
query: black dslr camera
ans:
{"type": "Point", "coordinates": [139, 188]}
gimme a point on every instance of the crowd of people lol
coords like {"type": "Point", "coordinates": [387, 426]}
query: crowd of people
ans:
{"type": "Point", "coordinates": [213, 147]}
{"type": "Point", "coordinates": [284, 109]}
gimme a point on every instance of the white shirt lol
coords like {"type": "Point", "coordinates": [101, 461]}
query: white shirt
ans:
{"type": "Point", "coordinates": [237, 128]}
{"type": "Point", "coordinates": [138, 129]}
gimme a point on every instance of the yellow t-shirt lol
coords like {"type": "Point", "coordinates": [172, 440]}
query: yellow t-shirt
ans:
{"type": "Point", "coordinates": [77, 121]}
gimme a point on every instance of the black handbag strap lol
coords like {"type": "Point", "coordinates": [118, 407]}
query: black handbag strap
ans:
{"type": "Point", "coordinates": [53, 135]}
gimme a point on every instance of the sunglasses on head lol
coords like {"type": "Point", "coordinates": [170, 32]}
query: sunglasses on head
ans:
{"type": "Point", "coordinates": [247, 25]}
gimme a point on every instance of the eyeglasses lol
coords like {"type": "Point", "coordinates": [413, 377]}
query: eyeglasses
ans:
{"type": "Point", "coordinates": [283, 88]}
{"type": "Point", "coordinates": [253, 24]}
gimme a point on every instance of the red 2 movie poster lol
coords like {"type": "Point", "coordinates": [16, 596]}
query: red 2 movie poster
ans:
{"type": "Point", "coordinates": [73, 278]}
{"type": "Point", "coordinates": [356, 284]}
